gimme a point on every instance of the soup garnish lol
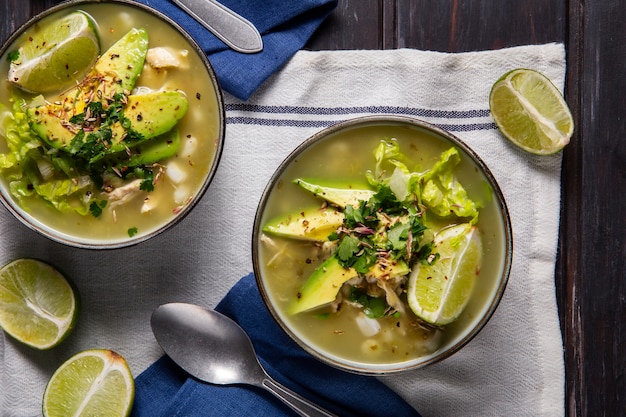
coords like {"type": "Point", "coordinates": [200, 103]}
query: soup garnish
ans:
{"type": "Point", "coordinates": [56, 55]}
{"type": "Point", "coordinates": [408, 231]}
{"type": "Point", "coordinates": [126, 135]}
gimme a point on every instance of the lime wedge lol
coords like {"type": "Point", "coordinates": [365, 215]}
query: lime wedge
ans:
{"type": "Point", "coordinates": [95, 382]}
{"type": "Point", "coordinates": [38, 306]}
{"type": "Point", "coordinates": [56, 56]}
{"type": "Point", "coordinates": [531, 112]}
{"type": "Point", "coordinates": [438, 292]}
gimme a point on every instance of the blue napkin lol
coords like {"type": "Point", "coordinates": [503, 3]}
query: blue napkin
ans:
{"type": "Point", "coordinates": [285, 26]}
{"type": "Point", "coordinates": [165, 390]}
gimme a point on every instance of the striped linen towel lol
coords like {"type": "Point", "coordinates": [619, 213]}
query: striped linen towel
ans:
{"type": "Point", "coordinates": [513, 367]}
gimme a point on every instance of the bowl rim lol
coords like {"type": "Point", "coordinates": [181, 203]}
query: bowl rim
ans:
{"type": "Point", "coordinates": [34, 224]}
{"type": "Point", "coordinates": [396, 367]}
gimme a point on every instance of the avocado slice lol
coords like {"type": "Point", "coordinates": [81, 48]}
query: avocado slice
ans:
{"type": "Point", "coordinates": [114, 73]}
{"type": "Point", "coordinates": [313, 224]}
{"type": "Point", "coordinates": [155, 150]}
{"type": "Point", "coordinates": [340, 197]}
{"type": "Point", "coordinates": [148, 152]}
{"type": "Point", "coordinates": [155, 113]}
{"type": "Point", "coordinates": [150, 115]}
{"type": "Point", "coordinates": [123, 62]}
{"type": "Point", "coordinates": [322, 286]}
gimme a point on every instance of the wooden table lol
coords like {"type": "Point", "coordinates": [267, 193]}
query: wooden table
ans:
{"type": "Point", "coordinates": [591, 267]}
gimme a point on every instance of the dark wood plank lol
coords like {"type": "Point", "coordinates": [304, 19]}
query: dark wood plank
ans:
{"type": "Point", "coordinates": [477, 25]}
{"type": "Point", "coordinates": [592, 272]}
{"type": "Point", "coordinates": [450, 26]}
{"type": "Point", "coordinates": [569, 266]}
{"type": "Point", "coordinates": [16, 12]}
{"type": "Point", "coordinates": [354, 24]}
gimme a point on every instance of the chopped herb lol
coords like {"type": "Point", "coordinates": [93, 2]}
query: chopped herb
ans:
{"type": "Point", "coordinates": [132, 231]}
{"type": "Point", "coordinates": [95, 208]}
{"type": "Point", "coordinates": [382, 226]}
{"type": "Point", "coordinates": [13, 56]}
{"type": "Point", "coordinates": [348, 246]}
{"type": "Point", "coordinates": [148, 181]}
{"type": "Point", "coordinates": [98, 120]}
{"type": "Point", "coordinates": [373, 307]}
{"type": "Point", "coordinates": [425, 254]}
{"type": "Point", "coordinates": [147, 185]}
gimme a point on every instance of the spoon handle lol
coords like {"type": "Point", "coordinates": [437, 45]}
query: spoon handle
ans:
{"type": "Point", "coordinates": [296, 402]}
{"type": "Point", "coordinates": [234, 30]}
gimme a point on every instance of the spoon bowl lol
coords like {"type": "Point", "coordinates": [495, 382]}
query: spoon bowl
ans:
{"type": "Point", "coordinates": [213, 348]}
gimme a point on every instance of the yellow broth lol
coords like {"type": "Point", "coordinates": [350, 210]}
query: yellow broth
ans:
{"type": "Point", "coordinates": [199, 130]}
{"type": "Point", "coordinates": [343, 159]}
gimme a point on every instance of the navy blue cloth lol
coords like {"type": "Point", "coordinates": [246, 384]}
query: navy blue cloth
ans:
{"type": "Point", "coordinates": [164, 390]}
{"type": "Point", "coordinates": [285, 26]}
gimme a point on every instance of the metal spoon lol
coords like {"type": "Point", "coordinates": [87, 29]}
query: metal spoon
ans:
{"type": "Point", "coordinates": [233, 29]}
{"type": "Point", "coordinates": [214, 349]}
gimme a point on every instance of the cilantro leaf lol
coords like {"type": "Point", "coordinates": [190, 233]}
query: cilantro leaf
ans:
{"type": "Point", "coordinates": [347, 247]}
{"type": "Point", "coordinates": [95, 208]}
{"type": "Point", "coordinates": [364, 261]}
{"type": "Point", "coordinates": [373, 307]}
{"type": "Point", "coordinates": [354, 216]}
{"type": "Point", "coordinates": [147, 185]}
{"type": "Point", "coordinates": [424, 254]}
{"type": "Point", "coordinates": [398, 235]}
{"type": "Point", "coordinates": [132, 231]}
{"type": "Point", "coordinates": [13, 56]}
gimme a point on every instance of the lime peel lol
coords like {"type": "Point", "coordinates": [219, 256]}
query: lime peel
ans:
{"type": "Point", "coordinates": [531, 112]}
{"type": "Point", "coordinates": [439, 292]}
{"type": "Point", "coordinates": [38, 305]}
{"type": "Point", "coordinates": [92, 382]}
{"type": "Point", "coordinates": [56, 56]}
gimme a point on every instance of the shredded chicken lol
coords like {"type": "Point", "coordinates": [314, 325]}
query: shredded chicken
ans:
{"type": "Point", "coordinates": [125, 193]}
{"type": "Point", "coordinates": [160, 57]}
{"type": "Point", "coordinates": [390, 294]}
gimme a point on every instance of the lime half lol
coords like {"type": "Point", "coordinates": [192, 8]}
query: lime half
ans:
{"type": "Point", "coordinates": [531, 112]}
{"type": "Point", "coordinates": [55, 56]}
{"type": "Point", "coordinates": [438, 292]}
{"type": "Point", "coordinates": [95, 382]}
{"type": "Point", "coordinates": [38, 306]}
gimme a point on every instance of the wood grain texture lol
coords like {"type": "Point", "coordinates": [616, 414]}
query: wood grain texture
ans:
{"type": "Point", "coordinates": [591, 274]}
{"type": "Point", "coordinates": [450, 26]}
{"type": "Point", "coordinates": [591, 266]}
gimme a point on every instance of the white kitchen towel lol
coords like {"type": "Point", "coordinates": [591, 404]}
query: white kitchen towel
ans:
{"type": "Point", "coordinates": [514, 367]}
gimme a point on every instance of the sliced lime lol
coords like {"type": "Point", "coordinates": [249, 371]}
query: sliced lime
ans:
{"type": "Point", "coordinates": [438, 292]}
{"type": "Point", "coordinates": [56, 56]}
{"type": "Point", "coordinates": [38, 306]}
{"type": "Point", "coordinates": [531, 112]}
{"type": "Point", "coordinates": [95, 382]}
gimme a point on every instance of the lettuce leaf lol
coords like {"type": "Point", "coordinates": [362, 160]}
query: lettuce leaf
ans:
{"type": "Point", "coordinates": [437, 189]}
{"type": "Point", "coordinates": [34, 170]}
{"type": "Point", "coordinates": [442, 192]}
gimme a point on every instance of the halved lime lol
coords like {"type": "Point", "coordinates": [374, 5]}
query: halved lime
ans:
{"type": "Point", "coordinates": [531, 112]}
{"type": "Point", "coordinates": [439, 292]}
{"type": "Point", "coordinates": [55, 56]}
{"type": "Point", "coordinates": [95, 382]}
{"type": "Point", "coordinates": [38, 306]}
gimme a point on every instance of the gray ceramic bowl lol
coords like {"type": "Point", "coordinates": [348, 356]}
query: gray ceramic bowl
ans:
{"type": "Point", "coordinates": [202, 128]}
{"type": "Point", "coordinates": [337, 146]}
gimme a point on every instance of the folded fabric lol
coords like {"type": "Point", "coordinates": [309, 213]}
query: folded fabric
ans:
{"type": "Point", "coordinates": [165, 390]}
{"type": "Point", "coordinates": [285, 26]}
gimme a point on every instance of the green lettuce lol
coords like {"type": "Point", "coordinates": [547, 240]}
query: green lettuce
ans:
{"type": "Point", "coordinates": [442, 192]}
{"type": "Point", "coordinates": [436, 189]}
{"type": "Point", "coordinates": [34, 170]}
